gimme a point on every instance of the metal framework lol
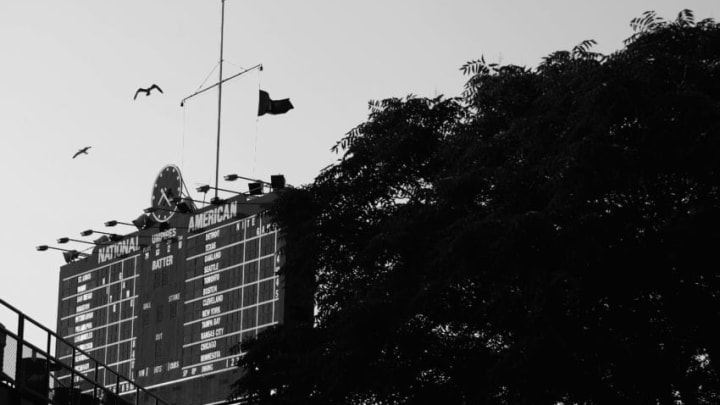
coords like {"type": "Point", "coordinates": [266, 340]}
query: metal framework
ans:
{"type": "Point", "coordinates": [33, 375]}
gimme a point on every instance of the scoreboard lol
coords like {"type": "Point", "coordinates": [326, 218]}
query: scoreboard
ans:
{"type": "Point", "coordinates": [165, 305]}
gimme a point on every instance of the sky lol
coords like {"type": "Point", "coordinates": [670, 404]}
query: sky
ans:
{"type": "Point", "coordinates": [69, 71]}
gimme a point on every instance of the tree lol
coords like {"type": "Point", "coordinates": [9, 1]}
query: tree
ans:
{"type": "Point", "coordinates": [548, 237]}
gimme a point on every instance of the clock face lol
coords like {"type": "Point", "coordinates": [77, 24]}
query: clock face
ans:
{"type": "Point", "coordinates": [167, 187]}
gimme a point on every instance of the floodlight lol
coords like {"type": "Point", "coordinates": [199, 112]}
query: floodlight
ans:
{"type": "Point", "coordinates": [184, 205]}
{"type": "Point", "coordinates": [110, 236]}
{"type": "Point", "coordinates": [255, 188]}
{"type": "Point", "coordinates": [205, 188]}
{"type": "Point", "coordinates": [143, 222]}
{"type": "Point", "coordinates": [68, 255]}
{"type": "Point", "coordinates": [233, 177]}
{"type": "Point", "coordinates": [66, 240]}
{"type": "Point", "coordinates": [277, 181]}
{"type": "Point", "coordinates": [113, 223]}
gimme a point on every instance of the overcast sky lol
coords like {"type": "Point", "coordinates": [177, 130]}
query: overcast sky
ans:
{"type": "Point", "coordinates": [69, 70]}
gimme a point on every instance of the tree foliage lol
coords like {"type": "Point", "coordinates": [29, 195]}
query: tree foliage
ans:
{"type": "Point", "coordinates": [548, 237]}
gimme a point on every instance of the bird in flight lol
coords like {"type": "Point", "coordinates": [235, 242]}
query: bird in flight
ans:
{"type": "Point", "coordinates": [83, 150]}
{"type": "Point", "coordinates": [147, 91]}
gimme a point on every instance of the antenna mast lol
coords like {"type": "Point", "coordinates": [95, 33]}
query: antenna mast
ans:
{"type": "Point", "coordinates": [220, 81]}
{"type": "Point", "coordinates": [219, 86]}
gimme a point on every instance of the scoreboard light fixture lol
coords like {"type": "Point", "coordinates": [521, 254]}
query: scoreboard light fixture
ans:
{"type": "Point", "coordinates": [150, 210]}
{"type": "Point", "coordinates": [185, 208]}
{"type": "Point", "coordinates": [205, 188]}
{"type": "Point", "coordinates": [188, 200]}
{"type": "Point", "coordinates": [62, 241]}
{"type": "Point", "coordinates": [143, 222]}
{"type": "Point", "coordinates": [277, 181]}
{"type": "Point", "coordinates": [233, 177]}
{"type": "Point", "coordinates": [140, 222]}
{"type": "Point", "coordinates": [68, 255]}
{"type": "Point", "coordinates": [103, 240]}
{"type": "Point", "coordinates": [255, 188]}
{"type": "Point", "coordinates": [71, 255]}
{"type": "Point", "coordinates": [112, 237]}
{"type": "Point", "coordinates": [184, 205]}
{"type": "Point", "coordinates": [112, 223]}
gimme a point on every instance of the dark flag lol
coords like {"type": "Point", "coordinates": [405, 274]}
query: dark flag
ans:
{"type": "Point", "coordinates": [268, 106]}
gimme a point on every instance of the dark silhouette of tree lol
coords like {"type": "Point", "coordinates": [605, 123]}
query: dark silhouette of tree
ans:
{"type": "Point", "coordinates": [549, 237]}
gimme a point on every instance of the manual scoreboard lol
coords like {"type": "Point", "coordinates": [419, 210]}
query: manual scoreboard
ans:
{"type": "Point", "coordinates": [166, 305]}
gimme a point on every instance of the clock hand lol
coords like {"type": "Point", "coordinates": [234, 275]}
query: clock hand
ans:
{"type": "Point", "coordinates": [164, 196]}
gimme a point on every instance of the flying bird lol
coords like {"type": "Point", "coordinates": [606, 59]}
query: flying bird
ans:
{"type": "Point", "coordinates": [83, 150]}
{"type": "Point", "coordinates": [147, 91]}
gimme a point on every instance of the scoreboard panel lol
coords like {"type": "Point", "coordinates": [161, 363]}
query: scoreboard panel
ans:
{"type": "Point", "coordinates": [165, 305]}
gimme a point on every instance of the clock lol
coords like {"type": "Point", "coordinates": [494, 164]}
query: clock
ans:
{"type": "Point", "coordinates": [167, 187]}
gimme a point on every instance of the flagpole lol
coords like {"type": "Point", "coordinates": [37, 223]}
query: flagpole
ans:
{"type": "Point", "coordinates": [219, 86]}
{"type": "Point", "coordinates": [217, 155]}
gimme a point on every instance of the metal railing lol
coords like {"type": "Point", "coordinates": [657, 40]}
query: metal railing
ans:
{"type": "Point", "coordinates": [40, 378]}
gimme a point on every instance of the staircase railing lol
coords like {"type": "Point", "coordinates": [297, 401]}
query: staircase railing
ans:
{"type": "Point", "coordinates": [41, 378]}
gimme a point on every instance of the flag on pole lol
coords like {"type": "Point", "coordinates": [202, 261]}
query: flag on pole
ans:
{"type": "Point", "coordinates": [268, 106]}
